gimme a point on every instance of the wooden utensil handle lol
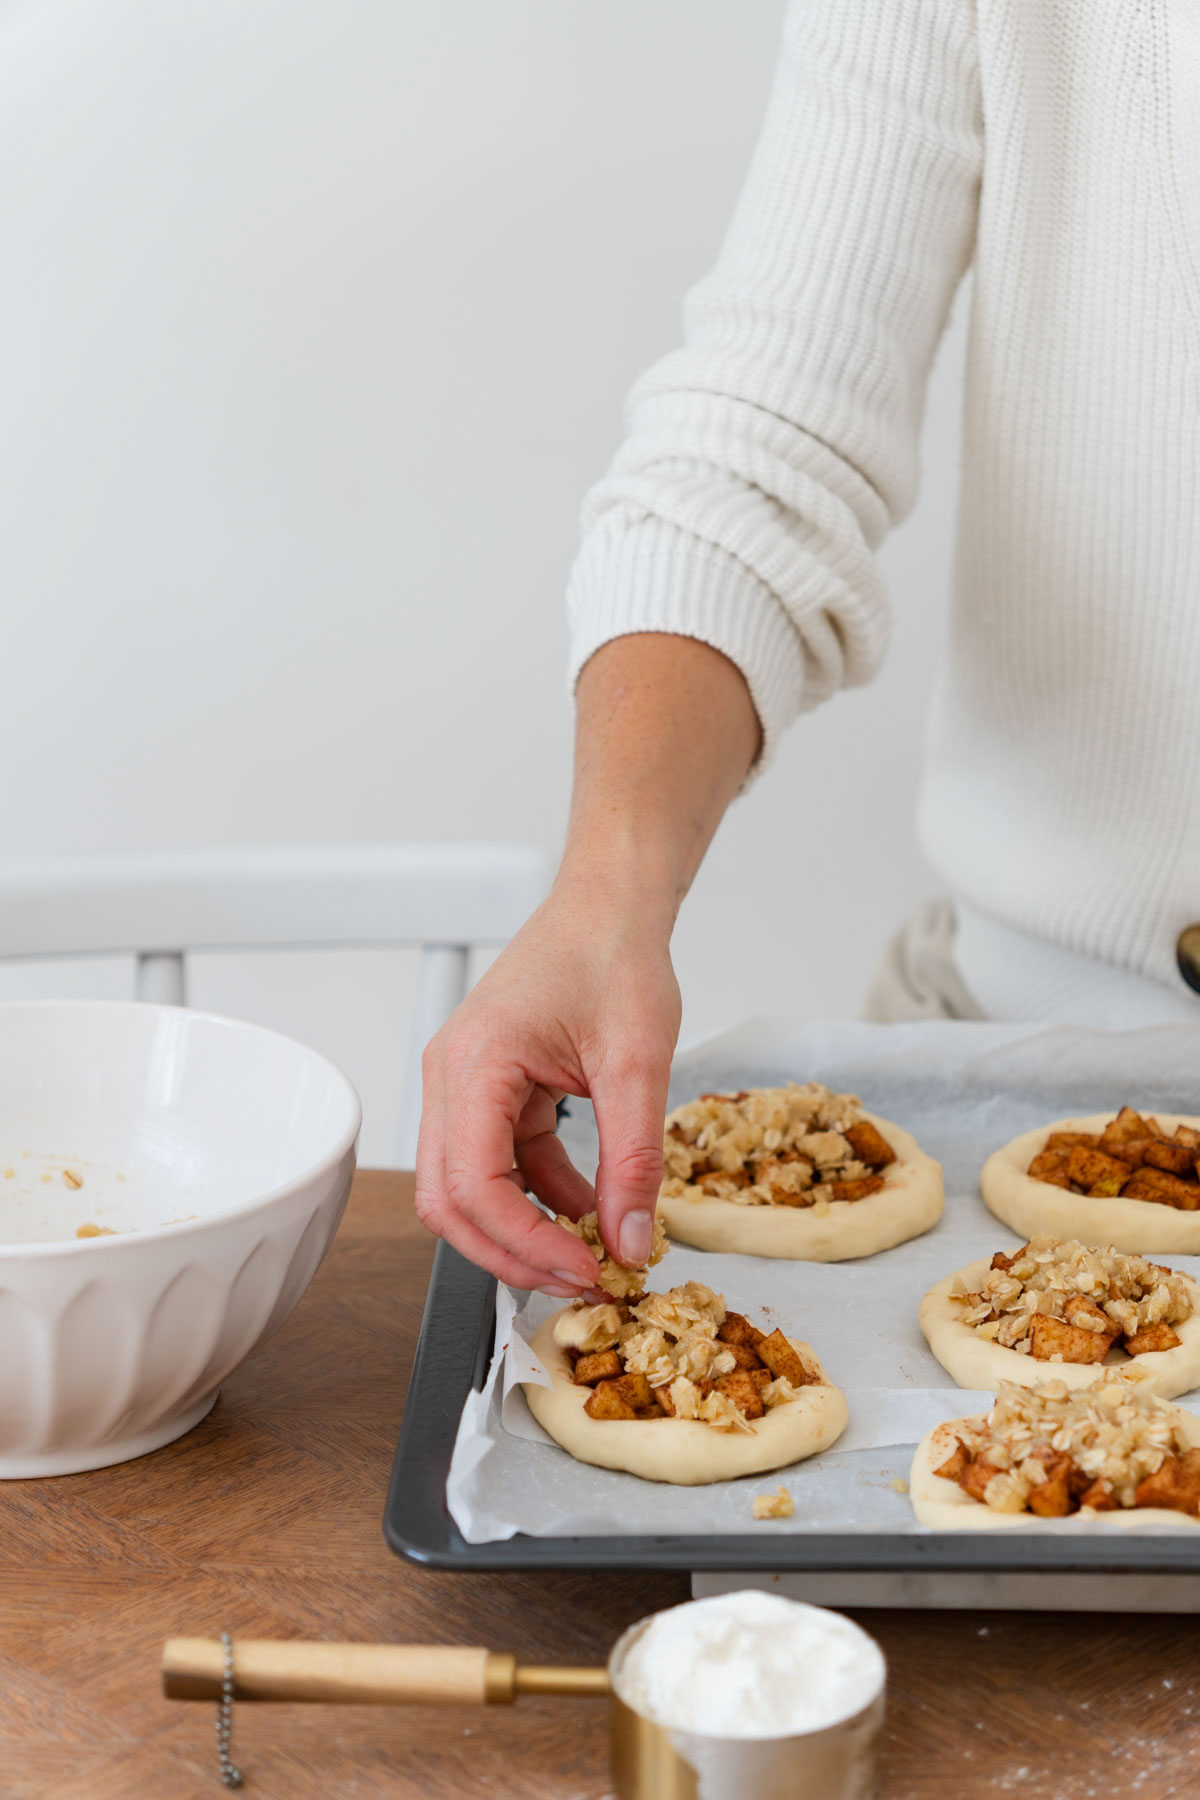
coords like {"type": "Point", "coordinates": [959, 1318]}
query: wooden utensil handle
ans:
{"type": "Point", "coordinates": [371, 1674]}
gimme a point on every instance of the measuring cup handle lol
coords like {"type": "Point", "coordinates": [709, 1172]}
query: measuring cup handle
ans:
{"type": "Point", "coordinates": [370, 1674]}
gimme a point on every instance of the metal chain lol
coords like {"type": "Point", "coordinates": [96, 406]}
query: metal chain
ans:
{"type": "Point", "coordinates": [231, 1775]}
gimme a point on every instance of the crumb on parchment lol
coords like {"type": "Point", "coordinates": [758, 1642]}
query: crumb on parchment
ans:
{"type": "Point", "coordinates": [778, 1505]}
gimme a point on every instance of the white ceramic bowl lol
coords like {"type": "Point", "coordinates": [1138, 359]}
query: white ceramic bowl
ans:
{"type": "Point", "coordinates": [219, 1154]}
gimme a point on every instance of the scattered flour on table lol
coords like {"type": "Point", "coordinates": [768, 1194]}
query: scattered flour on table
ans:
{"type": "Point", "coordinates": [749, 1665]}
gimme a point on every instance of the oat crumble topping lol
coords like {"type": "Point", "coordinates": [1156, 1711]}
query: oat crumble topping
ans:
{"type": "Point", "coordinates": [785, 1146]}
{"type": "Point", "coordinates": [1058, 1300]}
{"type": "Point", "coordinates": [1054, 1450]}
{"type": "Point", "coordinates": [613, 1276]}
{"type": "Point", "coordinates": [682, 1355]}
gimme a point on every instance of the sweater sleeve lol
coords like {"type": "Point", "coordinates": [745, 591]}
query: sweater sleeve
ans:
{"type": "Point", "coordinates": [766, 458]}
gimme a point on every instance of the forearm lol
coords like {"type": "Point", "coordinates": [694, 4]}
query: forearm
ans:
{"type": "Point", "coordinates": [665, 734]}
{"type": "Point", "coordinates": [584, 999]}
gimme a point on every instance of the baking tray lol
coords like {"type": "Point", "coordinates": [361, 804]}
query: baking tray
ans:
{"type": "Point", "coordinates": [453, 1354]}
{"type": "Point", "coordinates": [457, 1334]}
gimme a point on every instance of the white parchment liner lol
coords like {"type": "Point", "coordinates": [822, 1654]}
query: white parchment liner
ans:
{"type": "Point", "coordinates": [962, 1090]}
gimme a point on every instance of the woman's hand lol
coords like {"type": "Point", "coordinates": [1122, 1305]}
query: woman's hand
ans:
{"type": "Point", "coordinates": [583, 1001]}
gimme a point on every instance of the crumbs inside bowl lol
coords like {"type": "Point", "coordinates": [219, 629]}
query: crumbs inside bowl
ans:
{"type": "Point", "coordinates": [47, 1198]}
{"type": "Point", "coordinates": [129, 1119]}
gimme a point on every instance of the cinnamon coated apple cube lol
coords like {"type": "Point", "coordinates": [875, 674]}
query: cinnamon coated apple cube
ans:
{"type": "Point", "coordinates": [1169, 1190]}
{"type": "Point", "coordinates": [782, 1360]}
{"type": "Point", "coordinates": [1127, 1124]}
{"type": "Point", "coordinates": [599, 1365]}
{"type": "Point", "coordinates": [1051, 1499]}
{"type": "Point", "coordinates": [869, 1144]}
{"type": "Point", "coordinates": [738, 1330]}
{"type": "Point", "coordinates": [956, 1464]}
{"type": "Point", "coordinates": [1051, 1166]}
{"type": "Point", "coordinates": [1152, 1337]}
{"type": "Point", "coordinates": [1108, 1188]}
{"type": "Point", "coordinates": [1050, 1338]}
{"type": "Point", "coordinates": [635, 1390]}
{"type": "Point", "coordinates": [741, 1389]}
{"type": "Point", "coordinates": [718, 1180]}
{"type": "Point", "coordinates": [1138, 1150]}
{"type": "Point", "coordinates": [607, 1402]}
{"type": "Point", "coordinates": [1086, 1167]}
{"type": "Point", "coordinates": [1166, 1153]}
{"type": "Point", "coordinates": [1175, 1484]}
{"type": "Point", "coordinates": [781, 1196]}
{"type": "Point", "coordinates": [975, 1477]}
{"type": "Point", "coordinates": [862, 1189]}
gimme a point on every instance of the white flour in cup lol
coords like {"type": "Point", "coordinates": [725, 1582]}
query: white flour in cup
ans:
{"type": "Point", "coordinates": [749, 1665]}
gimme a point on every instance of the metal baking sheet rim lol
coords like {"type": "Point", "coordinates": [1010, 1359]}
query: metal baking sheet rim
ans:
{"type": "Point", "coordinates": [456, 1342]}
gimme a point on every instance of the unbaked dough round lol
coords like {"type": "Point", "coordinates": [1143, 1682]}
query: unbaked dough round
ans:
{"type": "Point", "coordinates": [909, 1202]}
{"type": "Point", "coordinates": [1032, 1207]}
{"type": "Point", "coordinates": [978, 1362]}
{"type": "Point", "coordinates": [684, 1451]}
{"type": "Point", "coordinates": [942, 1504]}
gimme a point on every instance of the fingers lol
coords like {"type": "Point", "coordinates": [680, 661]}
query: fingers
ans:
{"type": "Point", "coordinates": [474, 1243]}
{"type": "Point", "coordinates": [476, 1189]}
{"type": "Point", "coordinates": [543, 1162]}
{"type": "Point", "coordinates": [480, 1248]}
{"type": "Point", "coordinates": [459, 1232]}
{"type": "Point", "coordinates": [630, 1103]}
{"type": "Point", "coordinates": [552, 1176]}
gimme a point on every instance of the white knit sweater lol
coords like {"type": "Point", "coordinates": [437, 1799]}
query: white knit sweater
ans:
{"type": "Point", "coordinates": [1056, 143]}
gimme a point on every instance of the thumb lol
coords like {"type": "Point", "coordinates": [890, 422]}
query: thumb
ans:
{"type": "Point", "coordinates": [630, 1104]}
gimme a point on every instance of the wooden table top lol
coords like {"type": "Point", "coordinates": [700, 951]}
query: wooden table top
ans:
{"type": "Point", "coordinates": [265, 1521]}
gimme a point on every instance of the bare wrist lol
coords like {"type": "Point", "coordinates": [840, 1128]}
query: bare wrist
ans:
{"type": "Point", "coordinates": [622, 881]}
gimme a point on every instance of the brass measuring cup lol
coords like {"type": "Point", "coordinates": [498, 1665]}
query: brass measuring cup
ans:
{"type": "Point", "coordinates": [648, 1761]}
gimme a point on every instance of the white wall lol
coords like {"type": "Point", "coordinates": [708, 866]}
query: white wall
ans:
{"type": "Point", "coordinates": [316, 321]}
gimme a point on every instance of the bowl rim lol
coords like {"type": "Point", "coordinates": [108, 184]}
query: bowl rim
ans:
{"type": "Point", "coordinates": [123, 1240]}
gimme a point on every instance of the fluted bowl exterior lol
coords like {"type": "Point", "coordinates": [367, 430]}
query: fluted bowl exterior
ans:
{"type": "Point", "coordinates": [111, 1346]}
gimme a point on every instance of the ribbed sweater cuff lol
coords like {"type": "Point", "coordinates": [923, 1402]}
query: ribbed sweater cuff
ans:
{"type": "Point", "coordinates": [653, 577]}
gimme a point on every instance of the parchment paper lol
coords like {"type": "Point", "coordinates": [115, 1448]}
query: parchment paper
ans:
{"type": "Point", "coordinates": [963, 1090]}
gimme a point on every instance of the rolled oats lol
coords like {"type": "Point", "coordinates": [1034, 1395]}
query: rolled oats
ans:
{"type": "Point", "coordinates": [613, 1276]}
{"type": "Point", "coordinates": [672, 1341]}
{"type": "Point", "coordinates": [1112, 1432]}
{"type": "Point", "coordinates": [782, 1146]}
{"type": "Point", "coordinates": [1095, 1290]}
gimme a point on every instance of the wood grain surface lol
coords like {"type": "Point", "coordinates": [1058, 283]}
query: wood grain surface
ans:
{"type": "Point", "coordinates": [265, 1521]}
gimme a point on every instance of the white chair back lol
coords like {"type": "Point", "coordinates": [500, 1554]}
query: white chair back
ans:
{"type": "Point", "coordinates": [445, 899]}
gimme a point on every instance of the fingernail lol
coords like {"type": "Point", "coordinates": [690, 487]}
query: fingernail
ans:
{"type": "Point", "coordinates": [576, 1281]}
{"type": "Point", "coordinates": [559, 1293]}
{"type": "Point", "coordinates": [634, 1238]}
